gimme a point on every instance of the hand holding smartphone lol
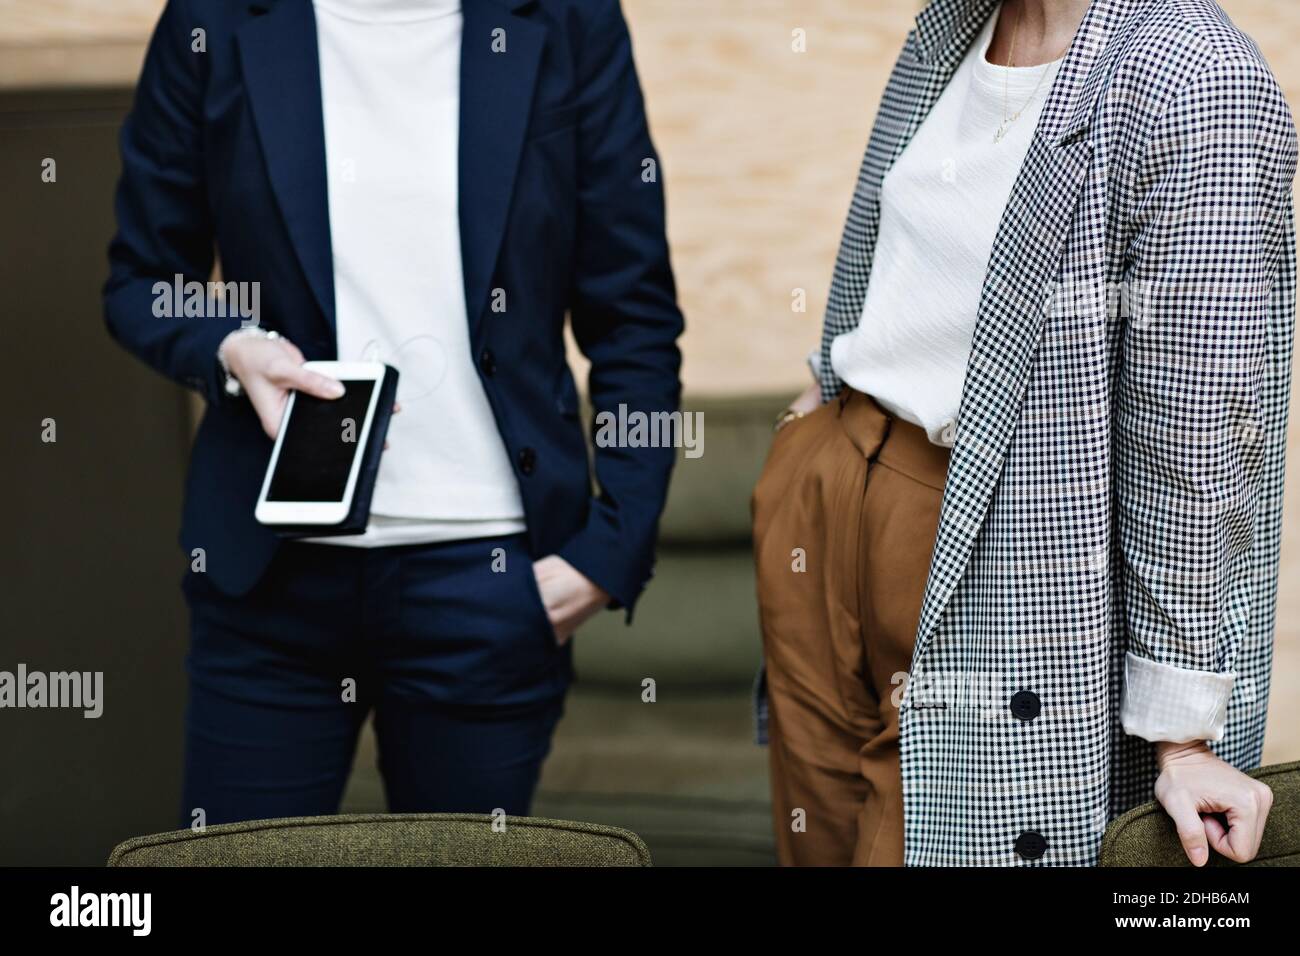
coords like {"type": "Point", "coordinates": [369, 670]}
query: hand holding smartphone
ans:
{"type": "Point", "coordinates": [321, 475]}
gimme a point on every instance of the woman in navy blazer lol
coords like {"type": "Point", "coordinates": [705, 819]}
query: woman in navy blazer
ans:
{"type": "Point", "coordinates": [560, 204]}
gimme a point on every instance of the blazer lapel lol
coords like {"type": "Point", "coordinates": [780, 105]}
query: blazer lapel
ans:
{"type": "Point", "coordinates": [944, 32]}
{"type": "Point", "coordinates": [281, 68]}
{"type": "Point", "coordinates": [496, 96]}
{"type": "Point", "coordinates": [1016, 298]}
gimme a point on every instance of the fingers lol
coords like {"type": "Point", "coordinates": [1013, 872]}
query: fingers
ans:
{"type": "Point", "coordinates": [1235, 812]}
{"type": "Point", "coordinates": [809, 400]}
{"type": "Point", "coordinates": [269, 370]}
{"type": "Point", "coordinates": [567, 616]}
{"type": "Point", "coordinates": [543, 571]}
{"type": "Point", "coordinates": [1191, 830]}
{"type": "Point", "coordinates": [569, 596]}
{"type": "Point", "coordinates": [1217, 834]}
{"type": "Point", "coordinates": [1247, 814]}
{"type": "Point", "coordinates": [293, 351]}
{"type": "Point", "coordinates": [268, 401]}
{"type": "Point", "coordinates": [397, 407]}
{"type": "Point", "coordinates": [284, 369]}
{"type": "Point", "coordinates": [290, 376]}
{"type": "Point", "coordinates": [271, 423]}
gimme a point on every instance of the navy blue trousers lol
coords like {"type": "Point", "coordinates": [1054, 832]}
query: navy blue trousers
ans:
{"type": "Point", "coordinates": [448, 644]}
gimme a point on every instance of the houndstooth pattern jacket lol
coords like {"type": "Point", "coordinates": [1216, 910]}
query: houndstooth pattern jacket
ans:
{"type": "Point", "coordinates": [1111, 520]}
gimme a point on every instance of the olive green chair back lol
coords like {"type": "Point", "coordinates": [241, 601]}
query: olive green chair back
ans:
{"type": "Point", "coordinates": [410, 839]}
{"type": "Point", "coordinates": [1145, 836]}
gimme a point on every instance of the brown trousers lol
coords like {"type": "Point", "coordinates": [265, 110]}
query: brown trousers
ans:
{"type": "Point", "coordinates": [845, 517]}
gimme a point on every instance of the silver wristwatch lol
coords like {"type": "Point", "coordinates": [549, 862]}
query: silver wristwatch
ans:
{"type": "Point", "coordinates": [232, 386]}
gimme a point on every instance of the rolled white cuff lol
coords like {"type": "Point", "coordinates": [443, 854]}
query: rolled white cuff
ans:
{"type": "Point", "coordinates": [1175, 704]}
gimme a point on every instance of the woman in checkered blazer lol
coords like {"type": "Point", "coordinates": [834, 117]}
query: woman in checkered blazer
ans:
{"type": "Point", "coordinates": [1017, 547]}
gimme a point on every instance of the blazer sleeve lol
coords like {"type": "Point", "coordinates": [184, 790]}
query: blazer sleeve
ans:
{"type": "Point", "coordinates": [1201, 402]}
{"type": "Point", "coordinates": [623, 307]}
{"type": "Point", "coordinates": [164, 229]}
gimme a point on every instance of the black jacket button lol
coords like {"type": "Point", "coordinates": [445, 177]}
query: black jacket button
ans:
{"type": "Point", "coordinates": [487, 362]}
{"type": "Point", "coordinates": [1031, 845]}
{"type": "Point", "coordinates": [1025, 705]}
{"type": "Point", "coordinates": [527, 460]}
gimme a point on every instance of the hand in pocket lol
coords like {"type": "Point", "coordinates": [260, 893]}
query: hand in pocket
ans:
{"type": "Point", "coordinates": [569, 596]}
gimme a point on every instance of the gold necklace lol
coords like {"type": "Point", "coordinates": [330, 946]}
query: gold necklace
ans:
{"type": "Point", "coordinates": [1007, 120]}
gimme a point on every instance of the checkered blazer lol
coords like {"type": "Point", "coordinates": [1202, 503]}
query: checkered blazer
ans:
{"type": "Point", "coordinates": [1112, 515]}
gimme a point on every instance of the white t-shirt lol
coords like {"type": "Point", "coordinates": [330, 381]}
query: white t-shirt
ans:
{"type": "Point", "coordinates": [941, 204]}
{"type": "Point", "coordinates": [390, 88]}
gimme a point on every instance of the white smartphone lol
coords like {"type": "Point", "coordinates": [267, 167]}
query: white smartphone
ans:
{"type": "Point", "coordinates": [318, 453]}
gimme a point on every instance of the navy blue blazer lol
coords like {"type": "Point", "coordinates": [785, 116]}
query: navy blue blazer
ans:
{"type": "Point", "coordinates": [224, 150]}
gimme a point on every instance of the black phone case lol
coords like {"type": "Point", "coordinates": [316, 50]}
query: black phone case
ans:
{"type": "Point", "coordinates": [358, 515]}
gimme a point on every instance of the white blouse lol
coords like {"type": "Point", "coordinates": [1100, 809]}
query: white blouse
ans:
{"type": "Point", "coordinates": [390, 90]}
{"type": "Point", "coordinates": [941, 204]}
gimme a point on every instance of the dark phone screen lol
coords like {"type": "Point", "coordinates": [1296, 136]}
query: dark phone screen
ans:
{"type": "Point", "coordinates": [315, 456]}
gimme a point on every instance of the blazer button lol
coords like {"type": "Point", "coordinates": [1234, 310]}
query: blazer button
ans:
{"type": "Point", "coordinates": [487, 362]}
{"type": "Point", "coordinates": [1031, 845]}
{"type": "Point", "coordinates": [1025, 705]}
{"type": "Point", "coordinates": [527, 460]}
